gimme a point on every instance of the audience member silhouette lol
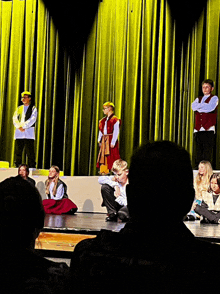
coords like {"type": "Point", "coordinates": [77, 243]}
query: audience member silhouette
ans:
{"type": "Point", "coordinates": [22, 218]}
{"type": "Point", "coordinates": [154, 252]}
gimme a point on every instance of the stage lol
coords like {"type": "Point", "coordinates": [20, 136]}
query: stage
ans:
{"type": "Point", "coordinates": [61, 233]}
{"type": "Point", "coordinates": [92, 223]}
{"type": "Point", "coordinates": [208, 232]}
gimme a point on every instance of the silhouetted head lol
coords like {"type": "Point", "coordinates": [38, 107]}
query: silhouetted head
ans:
{"type": "Point", "coordinates": [21, 212]}
{"type": "Point", "coordinates": [160, 182]}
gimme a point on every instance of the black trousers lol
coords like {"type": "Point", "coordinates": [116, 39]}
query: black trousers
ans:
{"type": "Point", "coordinates": [204, 144]}
{"type": "Point", "coordinates": [28, 145]}
{"type": "Point", "coordinates": [110, 203]}
{"type": "Point", "coordinates": [209, 215]}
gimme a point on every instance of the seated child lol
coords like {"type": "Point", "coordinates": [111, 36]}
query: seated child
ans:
{"type": "Point", "coordinates": [23, 171]}
{"type": "Point", "coordinates": [113, 191]}
{"type": "Point", "coordinates": [56, 191]}
{"type": "Point", "coordinates": [209, 206]}
{"type": "Point", "coordinates": [22, 219]}
{"type": "Point", "coordinates": [201, 184]}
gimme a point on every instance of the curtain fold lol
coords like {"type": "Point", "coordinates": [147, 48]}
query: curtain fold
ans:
{"type": "Point", "coordinates": [134, 57]}
{"type": "Point", "coordinates": [30, 20]}
{"type": "Point", "coordinates": [5, 25]}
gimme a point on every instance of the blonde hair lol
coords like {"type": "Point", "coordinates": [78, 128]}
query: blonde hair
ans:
{"type": "Point", "coordinates": [201, 182]}
{"type": "Point", "coordinates": [109, 104]}
{"type": "Point", "coordinates": [55, 180]}
{"type": "Point", "coordinates": [119, 164]}
{"type": "Point", "coordinates": [26, 93]}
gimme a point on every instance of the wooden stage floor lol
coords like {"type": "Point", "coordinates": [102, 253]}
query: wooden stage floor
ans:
{"type": "Point", "coordinates": [61, 233]}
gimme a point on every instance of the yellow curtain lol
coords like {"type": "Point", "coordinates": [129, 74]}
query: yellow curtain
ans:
{"type": "Point", "coordinates": [129, 59]}
{"type": "Point", "coordinates": [29, 50]}
{"type": "Point", "coordinates": [134, 57]}
{"type": "Point", "coordinates": [12, 24]}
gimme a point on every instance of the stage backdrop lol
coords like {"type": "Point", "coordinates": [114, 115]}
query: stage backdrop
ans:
{"type": "Point", "coordinates": [139, 54]}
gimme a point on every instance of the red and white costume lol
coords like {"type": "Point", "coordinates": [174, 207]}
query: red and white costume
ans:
{"type": "Point", "coordinates": [108, 135]}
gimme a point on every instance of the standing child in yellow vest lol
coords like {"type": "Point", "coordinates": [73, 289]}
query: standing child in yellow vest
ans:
{"type": "Point", "coordinates": [24, 119]}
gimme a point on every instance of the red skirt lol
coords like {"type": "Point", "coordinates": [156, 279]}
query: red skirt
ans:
{"type": "Point", "coordinates": [65, 205]}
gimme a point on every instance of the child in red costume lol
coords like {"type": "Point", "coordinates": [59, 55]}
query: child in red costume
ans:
{"type": "Point", "coordinates": [205, 108]}
{"type": "Point", "coordinates": [108, 139]}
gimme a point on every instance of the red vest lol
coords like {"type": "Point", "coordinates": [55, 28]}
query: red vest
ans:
{"type": "Point", "coordinates": [205, 120]}
{"type": "Point", "coordinates": [110, 124]}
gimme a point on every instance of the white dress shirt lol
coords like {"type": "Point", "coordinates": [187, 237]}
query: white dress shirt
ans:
{"type": "Point", "coordinates": [115, 132]}
{"type": "Point", "coordinates": [59, 193]}
{"type": "Point", "coordinates": [29, 132]}
{"type": "Point", "coordinates": [122, 198]}
{"type": "Point", "coordinates": [205, 107]}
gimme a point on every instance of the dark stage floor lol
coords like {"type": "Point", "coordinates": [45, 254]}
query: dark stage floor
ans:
{"type": "Point", "coordinates": [91, 223]}
{"type": "Point", "coordinates": [210, 232]}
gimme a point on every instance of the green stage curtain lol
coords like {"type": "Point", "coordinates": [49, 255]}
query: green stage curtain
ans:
{"type": "Point", "coordinates": [134, 57]}
{"type": "Point", "coordinates": [29, 50]}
